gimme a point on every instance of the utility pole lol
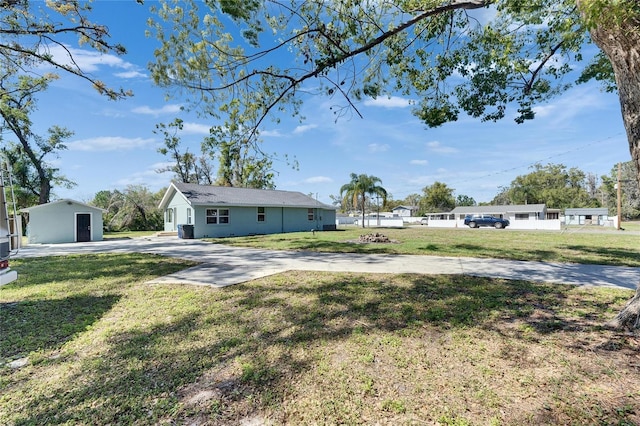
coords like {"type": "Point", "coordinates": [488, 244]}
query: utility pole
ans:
{"type": "Point", "coordinates": [619, 196]}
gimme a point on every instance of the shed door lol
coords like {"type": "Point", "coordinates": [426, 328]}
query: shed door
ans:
{"type": "Point", "coordinates": [83, 227]}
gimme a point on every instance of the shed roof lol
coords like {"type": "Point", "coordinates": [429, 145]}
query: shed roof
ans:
{"type": "Point", "coordinates": [65, 201]}
{"type": "Point", "coordinates": [210, 195]}
{"type": "Point", "coordinates": [512, 208]}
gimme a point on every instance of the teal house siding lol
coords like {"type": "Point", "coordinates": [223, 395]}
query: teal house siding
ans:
{"type": "Point", "coordinates": [176, 213]}
{"type": "Point", "coordinates": [227, 212]}
{"type": "Point", "coordinates": [63, 221]}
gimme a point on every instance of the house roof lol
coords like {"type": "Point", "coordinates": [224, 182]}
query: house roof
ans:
{"type": "Point", "coordinates": [404, 208]}
{"type": "Point", "coordinates": [210, 195]}
{"type": "Point", "coordinates": [514, 208]}
{"type": "Point", "coordinates": [587, 211]}
{"type": "Point", "coordinates": [66, 201]}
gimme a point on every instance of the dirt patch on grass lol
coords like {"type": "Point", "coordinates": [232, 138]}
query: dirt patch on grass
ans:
{"type": "Point", "coordinates": [373, 238]}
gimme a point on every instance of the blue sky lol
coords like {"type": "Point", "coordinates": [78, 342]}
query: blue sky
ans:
{"type": "Point", "coordinates": [114, 144]}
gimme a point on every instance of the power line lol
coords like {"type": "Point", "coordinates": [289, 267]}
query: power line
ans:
{"type": "Point", "coordinates": [530, 164]}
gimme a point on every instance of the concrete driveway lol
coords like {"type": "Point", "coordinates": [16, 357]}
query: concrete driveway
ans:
{"type": "Point", "coordinates": [222, 265]}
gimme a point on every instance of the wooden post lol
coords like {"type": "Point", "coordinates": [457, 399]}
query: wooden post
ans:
{"type": "Point", "coordinates": [619, 197]}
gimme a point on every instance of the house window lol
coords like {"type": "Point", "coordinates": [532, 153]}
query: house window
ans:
{"type": "Point", "coordinates": [554, 215]}
{"type": "Point", "coordinates": [188, 216]}
{"type": "Point", "coordinates": [169, 215]}
{"type": "Point", "coordinates": [262, 216]}
{"type": "Point", "coordinates": [217, 216]}
{"type": "Point", "coordinates": [310, 214]}
{"type": "Point", "coordinates": [223, 216]}
{"type": "Point", "coordinates": [522, 216]}
{"type": "Point", "coordinates": [212, 216]}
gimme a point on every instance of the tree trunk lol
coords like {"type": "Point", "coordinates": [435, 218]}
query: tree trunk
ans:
{"type": "Point", "coordinates": [621, 43]}
{"type": "Point", "coordinates": [629, 317]}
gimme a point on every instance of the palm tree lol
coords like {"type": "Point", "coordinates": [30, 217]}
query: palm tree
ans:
{"type": "Point", "coordinates": [359, 187]}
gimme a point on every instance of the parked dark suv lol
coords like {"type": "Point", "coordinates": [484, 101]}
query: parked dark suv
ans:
{"type": "Point", "coordinates": [478, 220]}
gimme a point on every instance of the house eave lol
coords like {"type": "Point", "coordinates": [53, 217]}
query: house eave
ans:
{"type": "Point", "coordinates": [299, 206]}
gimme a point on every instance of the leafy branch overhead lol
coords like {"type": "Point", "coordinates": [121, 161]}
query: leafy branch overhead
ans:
{"type": "Point", "coordinates": [30, 33]}
{"type": "Point", "coordinates": [439, 52]}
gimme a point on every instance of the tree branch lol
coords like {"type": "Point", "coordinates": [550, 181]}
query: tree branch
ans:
{"type": "Point", "coordinates": [534, 74]}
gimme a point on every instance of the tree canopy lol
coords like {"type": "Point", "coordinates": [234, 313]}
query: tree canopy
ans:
{"type": "Point", "coordinates": [630, 190]}
{"type": "Point", "coordinates": [359, 187]}
{"type": "Point", "coordinates": [30, 155]}
{"type": "Point", "coordinates": [550, 184]}
{"type": "Point", "coordinates": [34, 50]}
{"type": "Point", "coordinates": [133, 209]}
{"type": "Point", "coordinates": [33, 35]}
{"type": "Point", "coordinates": [475, 57]}
{"type": "Point", "coordinates": [437, 197]}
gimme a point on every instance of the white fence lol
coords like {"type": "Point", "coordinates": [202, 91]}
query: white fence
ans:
{"type": "Point", "coordinates": [542, 225]}
{"type": "Point", "coordinates": [399, 222]}
{"type": "Point", "coordinates": [383, 222]}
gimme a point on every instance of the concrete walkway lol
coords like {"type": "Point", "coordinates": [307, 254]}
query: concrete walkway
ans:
{"type": "Point", "coordinates": [222, 265]}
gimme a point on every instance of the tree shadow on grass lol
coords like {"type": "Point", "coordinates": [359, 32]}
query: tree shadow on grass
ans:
{"type": "Point", "coordinates": [343, 247]}
{"type": "Point", "coordinates": [606, 256]}
{"type": "Point", "coordinates": [38, 325]}
{"type": "Point", "coordinates": [242, 348]}
{"type": "Point", "coordinates": [531, 255]}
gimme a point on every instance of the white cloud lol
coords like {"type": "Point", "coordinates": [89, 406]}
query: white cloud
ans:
{"type": "Point", "coordinates": [195, 128]}
{"type": "Point", "coordinates": [376, 147]}
{"type": "Point", "coordinates": [87, 60]}
{"type": "Point", "coordinates": [570, 105]}
{"type": "Point", "coordinates": [318, 179]}
{"type": "Point", "coordinates": [270, 133]}
{"type": "Point", "coordinates": [130, 74]}
{"type": "Point", "coordinates": [389, 102]}
{"type": "Point", "coordinates": [149, 177]}
{"type": "Point", "coordinates": [109, 143]}
{"type": "Point", "coordinates": [419, 162]}
{"type": "Point", "coordinates": [544, 110]}
{"type": "Point", "coordinates": [166, 109]}
{"type": "Point", "coordinates": [436, 146]}
{"type": "Point", "coordinates": [304, 128]}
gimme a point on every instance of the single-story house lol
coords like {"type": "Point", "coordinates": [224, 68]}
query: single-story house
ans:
{"type": "Point", "coordinates": [218, 211]}
{"type": "Point", "coordinates": [510, 212]}
{"type": "Point", "coordinates": [63, 221]}
{"type": "Point", "coordinates": [587, 216]}
{"type": "Point", "coordinates": [404, 211]}
{"type": "Point", "coordinates": [520, 216]}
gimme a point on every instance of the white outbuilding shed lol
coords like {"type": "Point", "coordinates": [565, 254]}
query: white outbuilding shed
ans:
{"type": "Point", "coordinates": [64, 221]}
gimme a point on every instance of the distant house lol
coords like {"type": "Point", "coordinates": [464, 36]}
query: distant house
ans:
{"type": "Point", "coordinates": [587, 216]}
{"type": "Point", "coordinates": [521, 216]}
{"type": "Point", "coordinates": [217, 211]}
{"type": "Point", "coordinates": [511, 212]}
{"type": "Point", "coordinates": [64, 221]}
{"type": "Point", "coordinates": [405, 211]}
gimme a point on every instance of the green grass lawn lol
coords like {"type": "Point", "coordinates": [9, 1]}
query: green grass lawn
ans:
{"type": "Point", "coordinates": [570, 246]}
{"type": "Point", "coordinates": [110, 235]}
{"type": "Point", "coordinates": [101, 347]}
